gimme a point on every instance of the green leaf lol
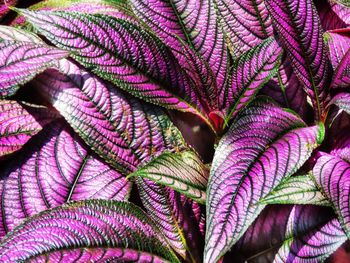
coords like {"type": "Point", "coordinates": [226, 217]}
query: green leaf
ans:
{"type": "Point", "coordinates": [182, 171]}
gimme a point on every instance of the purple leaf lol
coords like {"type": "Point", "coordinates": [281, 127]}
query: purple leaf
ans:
{"type": "Point", "coordinates": [120, 129]}
{"type": "Point", "coordinates": [264, 145]}
{"type": "Point", "coordinates": [16, 57]}
{"type": "Point", "coordinates": [332, 174]}
{"type": "Point", "coordinates": [54, 168]}
{"type": "Point", "coordinates": [19, 122]}
{"type": "Point", "coordinates": [16, 34]}
{"type": "Point", "coordinates": [200, 30]}
{"type": "Point", "coordinates": [130, 57]}
{"type": "Point", "coordinates": [90, 231]}
{"type": "Point", "coordinates": [332, 15]}
{"type": "Point", "coordinates": [286, 89]}
{"type": "Point", "coordinates": [183, 172]}
{"type": "Point", "coordinates": [339, 56]}
{"type": "Point", "coordinates": [250, 72]}
{"type": "Point", "coordinates": [309, 237]}
{"type": "Point", "coordinates": [246, 23]}
{"type": "Point", "coordinates": [300, 32]}
{"type": "Point", "coordinates": [174, 216]}
{"type": "Point", "coordinates": [342, 100]}
{"type": "Point", "coordinates": [295, 233]}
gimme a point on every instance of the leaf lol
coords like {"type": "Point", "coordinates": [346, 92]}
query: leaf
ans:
{"type": "Point", "coordinates": [298, 27]}
{"type": "Point", "coordinates": [94, 230]}
{"type": "Point", "coordinates": [309, 242]}
{"type": "Point", "coordinates": [183, 172]}
{"type": "Point", "coordinates": [251, 71]}
{"type": "Point", "coordinates": [15, 57]}
{"type": "Point", "coordinates": [342, 100]}
{"type": "Point", "coordinates": [54, 168]}
{"type": "Point", "coordinates": [129, 57]}
{"type": "Point", "coordinates": [296, 190]}
{"type": "Point", "coordinates": [331, 15]}
{"type": "Point", "coordinates": [118, 128]}
{"type": "Point", "coordinates": [286, 89]}
{"type": "Point", "coordinates": [285, 230]}
{"type": "Point", "coordinates": [19, 122]}
{"type": "Point", "coordinates": [173, 216]}
{"type": "Point", "coordinates": [12, 33]}
{"type": "Point", "coordinates": [194, 22]}
{"type": "Point", "coordinates": [332, 174]}
{"type": "Point", "coordinates": [250, 160]}
{"type": "Point", "coordinates": [341, 148]}
{"type": "Point", "coordinates": [246, 23]}
{"type": "Point", "coordinates": [339, 55]}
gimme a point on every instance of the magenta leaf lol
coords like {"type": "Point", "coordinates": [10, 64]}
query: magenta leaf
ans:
{"type": "Point", "coordinates": [332, 15]}
{"type": "Point", "coordinates": [339, 55]}
{"type": "Point", "coordinates": [173, 213]}
{"type": "Point", "coordinates": [300, 32]}
{"type": "Point", "coordinates": [332, 174]}
{"type": "Point", "coordinates": [246, 23]}
{"type": "Point", "coordinates": [55, 167]}
{"type": "Point", "coordinates": [309, 237]}
{"type": "Point", "coordinates": [264, 145]}
{"type": "Point", "coordinates": [142, 65]}
{"type": "Point", "coordinates": [4, 7]}
{"type": "Point", "coordinates": [15, 57]}
{"type": "Point", "coordinates": [250, 72]}
{"type": "Point", "coordinates": [286, 89]}
{"type": "Point", "coordinates": [16, 34]}
{"type": "Point", "coordinates": [87, 231]}
{"type": "Point", "coordinates": [120, 129]}
{"type": "Point", "coordinates": [19, 122]}
{"type": "Point", "coordinates": [200, 30]}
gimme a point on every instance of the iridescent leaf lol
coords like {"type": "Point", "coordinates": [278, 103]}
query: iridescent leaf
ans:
{"type": "Point", "coordinates": [246, 23]}
{"type": "Point", "coordinates": [183, 172]}
{"type": "Point", "coordinates": [194, 22]}
{"type": "Point", "coordinates": [306, 241]}
{"type": "Point", "coordinates": [298, 27]}
{"type": "Point", "coordinates": [339, 55]}
{"type": "Point", "coordinates": [12, 33]}
{"type": "Point", "coordinates": [130, 56]}
{"type": "Point", "coordinates": [296, 190]}
{"type": "Point", "coordinates": [4, 7]}
{"type": "Point", "coordinates": [54, 168]}
{"type": "Point", "coordinates": [331, 14]}
{"type": "Point", "coordinates": [90, 231]}
{"type": "Point", "coordinates": [264, 145]}
{"type": "Point", "coordinates": [118, 128]}
{"type": "Point", "coordinates": [251, 71]}
{"type": "Point", "coordinates": [174, 217]}
{"type": "Point", "coordinates": [342, 100]}
{"type": "Point", "coordinates": [16, 57]}
{"type": "Point", "coordinates": [19, 122]}
{"type": "Point", "coordinates": [332, 174]}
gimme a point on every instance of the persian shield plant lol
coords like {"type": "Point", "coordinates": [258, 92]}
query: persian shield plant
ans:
{"type": "Point", "coordinates": [174, 131]}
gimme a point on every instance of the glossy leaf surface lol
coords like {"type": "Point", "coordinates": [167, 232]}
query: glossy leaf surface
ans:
{"type": "Point", "coordinates": [300, 33]}
{"type": "Point", "coordinates": [19, 122]}
{"type": "Point", "coordinates": [296, 190]}
{"type": "Point", "coordinates": [117, 127]}
{"type": "Point", "coordinates": [15, 57]}
{"type": "Point", "coordinates": [54, 168]}
{"type": "Point", "coordinates": [142, 65]}
{"type": "Point", "coordinates": [246, 23]}
{"type": "Point", "coordinates": [250, 160]}
{"type": "Point", "coordinates": [94, 230]}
